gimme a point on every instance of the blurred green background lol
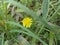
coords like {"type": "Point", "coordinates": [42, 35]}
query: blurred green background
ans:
{"type": "Point", "coordinates": [45, 29]}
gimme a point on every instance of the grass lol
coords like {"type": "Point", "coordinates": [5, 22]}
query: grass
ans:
{"type": "Point", "coordinates": [45, 29]}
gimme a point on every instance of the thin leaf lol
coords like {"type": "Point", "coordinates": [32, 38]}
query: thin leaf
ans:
{"type": "Point", "coordinates": [2, 38]}
{"type": "Point", "coordinates": [45, 8]}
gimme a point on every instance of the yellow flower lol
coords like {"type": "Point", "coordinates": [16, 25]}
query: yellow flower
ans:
{"type": "Point", "coordinates": [27, 22]}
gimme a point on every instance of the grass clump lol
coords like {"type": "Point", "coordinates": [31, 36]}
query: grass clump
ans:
{"type": "Point", "coordinates": [29, 22]}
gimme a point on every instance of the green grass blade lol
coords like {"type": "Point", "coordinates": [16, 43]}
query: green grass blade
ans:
{"type": "Point", "coordinates": [24, 8]}
{"type": "Point", "coordinates": [27, 30]}
{"type": "Point", "coordinates": [2, 38]}
{"type": "Point", "coordinates": [51, 41]}
{"type": "Point", "coordinates": [45, 8]}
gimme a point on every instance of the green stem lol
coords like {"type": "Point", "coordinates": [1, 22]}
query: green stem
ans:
{"type": "Point", "coordinates": [2, 38]}
{"type": "Point", "coordinates": [51, 39]}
